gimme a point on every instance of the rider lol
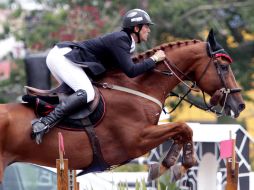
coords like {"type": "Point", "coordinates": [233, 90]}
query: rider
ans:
{"type": "Point", "coordinates": [115, 48]}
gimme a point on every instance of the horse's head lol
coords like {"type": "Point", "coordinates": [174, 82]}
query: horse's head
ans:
{"type": "Point", "coordinates": [206, 64]}
{"type": "Point", "coordinates": [217, 79]}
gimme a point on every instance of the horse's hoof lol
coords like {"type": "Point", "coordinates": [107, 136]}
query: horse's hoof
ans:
{"type": "Point", "coordinates": [188, 159]}
{"type": "Point", "coordinates": [154, 171]}
{"type": "Point", "coordinates": [176, 172]}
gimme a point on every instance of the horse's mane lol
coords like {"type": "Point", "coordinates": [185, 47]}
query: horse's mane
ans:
{"type": "Point", "coordinates": [163, 47]}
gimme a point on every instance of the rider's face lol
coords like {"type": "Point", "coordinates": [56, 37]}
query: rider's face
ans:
{"type": "Point", "coordinates": [144, 32]}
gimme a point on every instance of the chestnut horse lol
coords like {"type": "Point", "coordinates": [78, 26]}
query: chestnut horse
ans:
{"type": "Point", "coordinates": [129, 127]}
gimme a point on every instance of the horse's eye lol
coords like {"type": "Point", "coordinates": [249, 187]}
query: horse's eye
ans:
{"type": "Point", "coordinates": [224, 67]}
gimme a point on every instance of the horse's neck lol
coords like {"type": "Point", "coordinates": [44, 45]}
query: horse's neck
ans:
{"type": "Point", "coordinates": [185, 58]}
{"type": "Point", "coordinates": [154, 83]}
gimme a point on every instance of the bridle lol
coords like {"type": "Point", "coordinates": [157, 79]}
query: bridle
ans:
{"type": "Point", "coordinates": [221, 69]}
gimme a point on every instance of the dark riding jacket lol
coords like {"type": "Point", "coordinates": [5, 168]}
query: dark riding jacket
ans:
{"type": "Point", "coordinates": [111, 51]}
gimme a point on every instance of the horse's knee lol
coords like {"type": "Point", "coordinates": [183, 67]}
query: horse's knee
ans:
{"type": "Point", "coordinates": [186, 130]}
{"type": "Point", "coordinates": [189, 131]}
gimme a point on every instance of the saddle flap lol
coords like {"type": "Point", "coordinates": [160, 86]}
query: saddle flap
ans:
{"type": "Point", "coordinates": [85, 112]}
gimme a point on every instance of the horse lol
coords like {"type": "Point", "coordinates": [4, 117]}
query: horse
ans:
{"type": "Point", "coordinates": [129, 127]}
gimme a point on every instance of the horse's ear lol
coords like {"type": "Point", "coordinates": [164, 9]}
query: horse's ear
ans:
{"type": "Point", "coordinates": [211, 39]}
{"type": "Point", "coordinates": [214, 45]}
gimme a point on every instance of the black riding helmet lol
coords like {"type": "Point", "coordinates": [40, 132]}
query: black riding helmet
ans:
{"type": "Point", "coordinates": [135, 17]}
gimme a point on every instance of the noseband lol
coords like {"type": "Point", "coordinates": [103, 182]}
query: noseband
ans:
{"type": "Point", "coordinates": [222, 71]}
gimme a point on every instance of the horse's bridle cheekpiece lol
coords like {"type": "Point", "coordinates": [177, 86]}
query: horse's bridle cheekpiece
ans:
{"type": "Point", "coordinates": [222, 71]}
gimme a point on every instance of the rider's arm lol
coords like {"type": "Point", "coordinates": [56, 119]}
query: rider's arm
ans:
{"type": "Point", "coordinates": [122, 55]}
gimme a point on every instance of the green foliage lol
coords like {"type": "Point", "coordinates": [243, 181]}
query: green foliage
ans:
{"type": "Point", "coordinates": [17, 13]}
{"type": "Point", "coordinates": [6, 31]}
{"type": "Point", "coordinates": [165, 184]}
{"type": "Point", "coordinates": [131, 168]}
{"type": "Point", "coordinates": [40, 26]}
{"type": "Point", "coordinates": [122, 186]}
{"type": "Point", "coordinates": [175, 20]}
{"type": "Point", "coordinates": [13, 87]}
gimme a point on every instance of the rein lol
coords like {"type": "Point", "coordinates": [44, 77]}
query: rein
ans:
{"type": "Point", "coordinates": [167, 63]}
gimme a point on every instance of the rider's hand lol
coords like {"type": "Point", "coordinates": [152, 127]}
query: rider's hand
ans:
{"type": "Point", "coordinates": [158, 56]}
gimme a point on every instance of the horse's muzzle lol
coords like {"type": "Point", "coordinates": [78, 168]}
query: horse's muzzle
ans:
{"type": "Point", "coordinates": [234, 107]}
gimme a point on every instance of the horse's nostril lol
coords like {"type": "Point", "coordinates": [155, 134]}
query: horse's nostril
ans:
{"type": "Point", "coordinates": [241, 107]}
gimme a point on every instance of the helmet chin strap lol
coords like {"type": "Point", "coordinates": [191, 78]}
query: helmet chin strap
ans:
{"type": "Point", "coordinates": [138, 33]}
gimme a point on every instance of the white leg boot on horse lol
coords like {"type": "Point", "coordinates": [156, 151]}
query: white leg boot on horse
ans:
{"type": "Point", "coordinates": [173, 153]}
{"type": "Point", "coordinates": [188, 159]}
{"type": "Point", "coordinates": [67, 107]}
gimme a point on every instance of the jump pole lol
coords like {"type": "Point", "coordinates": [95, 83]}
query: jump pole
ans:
{"type": "Point", "coordinates": [66, 179]}
{"type": "Point", "coordinates": [232, 169]}
{"type": "Point", "coordinates": [62, 166]}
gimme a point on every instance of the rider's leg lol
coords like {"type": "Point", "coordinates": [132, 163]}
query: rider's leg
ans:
{"type": "Point", "coordinates": [74, 76]}
{"type": "Point", "coordinates": [66, 71]}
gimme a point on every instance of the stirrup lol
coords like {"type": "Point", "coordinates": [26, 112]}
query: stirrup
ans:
{"type": "Point", "coordinates": [36, 129]}
{"type": "Point", "coordinates": [37, 133]}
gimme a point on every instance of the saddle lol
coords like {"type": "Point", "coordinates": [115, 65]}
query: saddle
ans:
{"type": "Point", "coordinates": [44, 101]}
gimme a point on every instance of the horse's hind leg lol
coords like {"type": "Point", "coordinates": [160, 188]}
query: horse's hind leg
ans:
{"type": "Point", "coordinates": [1, 170]}
{"type": "Point", "coordinates": [3, 125]}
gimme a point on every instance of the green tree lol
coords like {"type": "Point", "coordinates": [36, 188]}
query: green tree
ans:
{"type": "Point", "coordinates": [175, 20]}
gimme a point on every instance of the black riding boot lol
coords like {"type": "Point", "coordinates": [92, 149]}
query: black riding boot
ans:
{"type": "Point", "coordinates": [67, 107]}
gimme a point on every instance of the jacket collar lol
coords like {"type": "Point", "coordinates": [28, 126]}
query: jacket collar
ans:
{"type": "Point", "coordinates": [133, 45]}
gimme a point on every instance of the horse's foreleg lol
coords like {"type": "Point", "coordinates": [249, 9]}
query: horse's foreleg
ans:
{"type": "Point", "coordinates": [157, 169]}
{"type": "Point", "coordinates": [181, 133]}
{"type": "Point", "coordinates": [188, 159]}
{"type": "Point", "coordinates": [153, 136]}
{"type": "Point", "coordinates": [177, 171]}
{"type": "Point", "coordinates": [173, 153]}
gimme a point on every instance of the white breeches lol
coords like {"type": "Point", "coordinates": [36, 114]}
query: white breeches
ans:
{"type": "Point", "coordinates": [66, 71]}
